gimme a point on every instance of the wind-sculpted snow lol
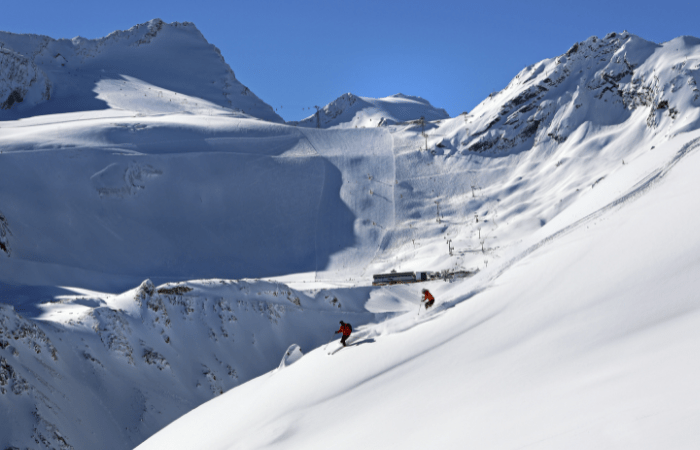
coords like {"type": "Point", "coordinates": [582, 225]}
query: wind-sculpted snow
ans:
{"type": "Point", "coordinates": [40, 75]}
{"type": "Point", "coordinates": [127, 365]}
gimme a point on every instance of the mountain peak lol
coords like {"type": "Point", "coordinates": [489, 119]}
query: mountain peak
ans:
{"type": "Point", "coordinates": [42, 75]}
{"type": "Point", "coordinates": [599, 82]}
{"type": "Point", "coordinates": [352, 111]}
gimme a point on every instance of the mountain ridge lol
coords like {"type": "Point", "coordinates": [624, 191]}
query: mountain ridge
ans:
{"type": "Point", "coordinates": [42, 75]}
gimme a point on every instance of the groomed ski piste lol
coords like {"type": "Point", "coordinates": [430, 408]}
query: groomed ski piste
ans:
{"type": "Point", "coordinates": [175, 259]}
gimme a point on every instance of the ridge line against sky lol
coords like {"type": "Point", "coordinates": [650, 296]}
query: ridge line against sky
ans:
{"type": "Point", "coordinates": [296, 55]}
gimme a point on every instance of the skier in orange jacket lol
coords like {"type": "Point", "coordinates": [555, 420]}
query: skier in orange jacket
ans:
{"type": "Point", "coordinates": [346, 329]}
{"type": "Point", "coordinates": [428, 298]}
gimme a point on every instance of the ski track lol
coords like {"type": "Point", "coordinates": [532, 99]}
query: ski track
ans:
{"type": "Point", "coordinates": [320, 199]}
{"type": "Point", "coordinates": [393, 206]}
{"type": "Point", "coordinates": [635, 193]}
{"type": "Point", "coordinates": [402, 362]}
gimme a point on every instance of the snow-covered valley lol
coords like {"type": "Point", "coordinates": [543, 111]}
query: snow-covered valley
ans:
{"type": "Point", "coordinates": [570, 194]}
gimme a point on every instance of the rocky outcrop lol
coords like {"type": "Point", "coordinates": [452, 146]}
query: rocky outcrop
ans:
{"type": "Point", "coordinates": [21, 80]}
{"type": "Point", "coordinates": [597, 81]}
{"type": "Point", "coordinates": [129, 364]}
{"type": "Point", "coordinates": [5, 234]}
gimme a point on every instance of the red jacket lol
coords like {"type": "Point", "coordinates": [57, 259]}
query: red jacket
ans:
{"type": "Point", "coordinates": [428, 296]}
{"type": "Point", "coordinates": [345, 329]}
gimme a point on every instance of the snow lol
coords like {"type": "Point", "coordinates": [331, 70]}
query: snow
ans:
{"type": "Point", "coordinates": [292, 355]}
{"type": "Point", "coordinates": [131, 363]}
{"type": "Point", "coordinates": [171, 248]}
{"type": "Point", "coordinates": [153, 60]}
{"type": "Point", "coordinates": [352, 111]}
{"type": "Point", "coordinates": [555, 350]}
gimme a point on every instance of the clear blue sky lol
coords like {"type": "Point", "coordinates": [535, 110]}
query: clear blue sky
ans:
{"type": "Point", "coordinates": [298, 54]}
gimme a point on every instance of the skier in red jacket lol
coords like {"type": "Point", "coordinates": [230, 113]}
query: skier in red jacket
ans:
{"type": "Point", "coordinates": [346, 329]}
{"type": "Point", "coordinates": [428, 298]}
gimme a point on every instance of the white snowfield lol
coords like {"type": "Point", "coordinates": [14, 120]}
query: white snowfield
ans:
{"type": "Point", "coordinates": [570, 193]}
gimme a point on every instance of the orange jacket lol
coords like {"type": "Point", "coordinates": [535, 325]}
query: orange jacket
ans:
{"type": "Point", "coordinates": [345, 329]}
{"type": "Point", "coordinates": [428, 296]}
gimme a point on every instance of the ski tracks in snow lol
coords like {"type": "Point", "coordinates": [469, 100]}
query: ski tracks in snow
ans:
{"type": "Point", "coordinates": [331, 145]}
{"type": "Point", "coordinates": [635, 193]}
{"type": "Point", "coordinates": [393, 207]}
{"type": "Point", "coordinates": [320, 200]}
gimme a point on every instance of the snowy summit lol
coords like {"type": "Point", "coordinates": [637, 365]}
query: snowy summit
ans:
{"type": "Point", "coordinates": [147, 69]}
{"type": "Point", "coordinates": [351, 111]}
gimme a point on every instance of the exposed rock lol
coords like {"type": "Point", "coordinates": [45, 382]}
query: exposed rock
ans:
{"type": "Point", "coordinates": [177, 290]}
{"type": "Point", "coordinates": [14, 97]}
{"type": "Point", "coordinates": [20, 78]}
{"type": "Point", "coordinates": [154, 26]}
{"type": "Point", "coordinates": [10, 378]}
{"type": "Point", "coordinates": [145, 291]}
{"type": "Point", "coordinates": [5, 234]}
{"type": "Point", "coordinates": [154, 358]}
{"type": "Point", "coordinates": [113, 330]}
{"type": "Point", "coordinates": [613, 71]}
{"type": "Point", "coordinates": [15, 328]}
{"type": "Point", "coordinates": [210, 377]}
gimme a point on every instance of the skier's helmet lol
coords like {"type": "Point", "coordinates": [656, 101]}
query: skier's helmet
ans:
{"type": "Point", "coordinates": [424, 291]}
{"type": "Point", "coordinates": [341, 322]}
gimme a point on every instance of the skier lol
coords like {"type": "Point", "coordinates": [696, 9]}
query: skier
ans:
{"type": "Point", "coordinates": [346, 329]}
{"type": "Point", "coordinates": [429, 297]}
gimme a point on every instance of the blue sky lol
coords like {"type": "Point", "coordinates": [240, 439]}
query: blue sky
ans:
{"type": "Point", "coordinates": [296, 54]}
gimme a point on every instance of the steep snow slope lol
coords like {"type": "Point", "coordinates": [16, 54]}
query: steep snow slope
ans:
{"type": "Point", "coordinates": [351, 111]}
{"type": "Point", "coordinates": [584, 343]}
{"type": "Point", "coordinates": [41, 75]}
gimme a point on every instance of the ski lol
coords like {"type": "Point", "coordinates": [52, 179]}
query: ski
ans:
{"type": "Point", "coordinates": [333, 352]}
